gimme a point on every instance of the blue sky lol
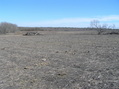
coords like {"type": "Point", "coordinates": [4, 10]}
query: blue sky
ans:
{"type": "Point", "coordinates": [59, 13]}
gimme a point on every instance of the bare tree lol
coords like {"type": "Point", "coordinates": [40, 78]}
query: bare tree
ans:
{"type": "Point", "coordinates": [94, 24]}
{"type": "Point", "coordinates": [6, 27]}
{"type": "Point", "coordinates": [100, 28]}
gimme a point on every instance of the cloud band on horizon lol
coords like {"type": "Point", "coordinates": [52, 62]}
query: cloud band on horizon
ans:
{"type": "Point", "coordinates": [74, 22]}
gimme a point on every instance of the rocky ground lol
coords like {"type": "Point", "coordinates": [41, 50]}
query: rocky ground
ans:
{"type": "Point", "coordinates": [59, 61]}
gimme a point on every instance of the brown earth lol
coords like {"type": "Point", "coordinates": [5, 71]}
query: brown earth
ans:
{"type": "Point", "coordinates": [59, 60]}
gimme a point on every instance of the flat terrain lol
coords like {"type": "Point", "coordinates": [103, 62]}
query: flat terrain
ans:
{"type": "Point", "coordinates": [56, 60]}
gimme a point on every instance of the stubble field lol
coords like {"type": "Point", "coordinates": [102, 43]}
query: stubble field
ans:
{"type": "Point", "coordinates": [59, 60]}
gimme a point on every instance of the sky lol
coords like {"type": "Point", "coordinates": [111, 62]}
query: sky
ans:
{"type": "Point", "coordinates": [59, 13]}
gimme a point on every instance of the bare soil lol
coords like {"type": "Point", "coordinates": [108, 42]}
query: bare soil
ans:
{"type": "Point", "coordinates": [59, 60]}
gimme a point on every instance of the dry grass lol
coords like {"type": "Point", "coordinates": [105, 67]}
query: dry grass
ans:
{"type": "Point", "coordinates": [59, 61]}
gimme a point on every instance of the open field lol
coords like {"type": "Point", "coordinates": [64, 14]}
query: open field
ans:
{"type": "Point", "coordinates": [59, 60]}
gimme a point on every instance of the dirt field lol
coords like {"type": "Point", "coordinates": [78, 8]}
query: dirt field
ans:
{"type": "Point", "coordinates": [59, 61]}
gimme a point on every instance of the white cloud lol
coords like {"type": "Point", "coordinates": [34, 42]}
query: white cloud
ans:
{"type": "Point", "coordinates": [109, 18]}
{"type": "Point", "coordinates": [75, 22]}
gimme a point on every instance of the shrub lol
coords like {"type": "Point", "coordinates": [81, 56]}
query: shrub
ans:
{"type": "Point", "coordinates": [6, 27]}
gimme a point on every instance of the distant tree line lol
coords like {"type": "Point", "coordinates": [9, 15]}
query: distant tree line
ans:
{"type": "Point", "coordinates": [6, 27]}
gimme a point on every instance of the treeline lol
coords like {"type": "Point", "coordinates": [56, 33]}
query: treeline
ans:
{"type": "Point", "coordinates": [6, 27]}
{"type": "Point", "coordinates": [31, 29]}
{"type": "Point", "coordinates": [52, 29]}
